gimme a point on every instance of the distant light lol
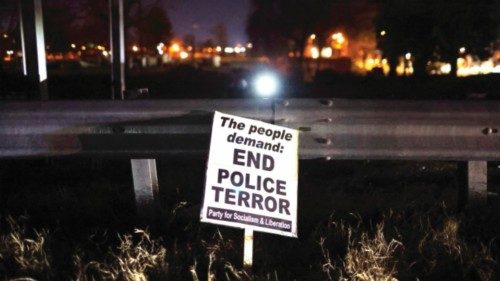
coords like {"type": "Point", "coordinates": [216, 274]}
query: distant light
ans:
{"type": "Point", "coordinates": [326, 52]}
{"type": "Point", "coordinates": [105, 53]}
{"type": "Point", "coordinates": [266, 84]}
{"type": "Point", "coordinates": [383, 33]}
{"type": "Point", "coordinates": [312, 36]}
{"type": "Point", "coordinates": [239, 49]}
{"type": "Point", "coordinates": [338, 37]}
{"type": "Point", "coordinates": [84, 48]}
{"type": "Point", "coordinates": [445, 68]}
{"type": "Point", "coordinates": [10, 52]}
{"type": "Point", "coordinates": [408, 56]}
{"type": "Point", "coordinates": [73, 45]}
{"type": "Point", "coordinates": [314, 53]}
{"type": "Point", "coordinates": [100, 48]}
{"type": "Point", "coordinates": [190, 48]}
{"type": "Point", "coordinates": [218, 49]}
{"type": "Point", "coordinates": [135, 48]}
{"type": "Point", "coordinates": [228, 50]}
{"type": "Point", "coordinates": [184, 55]}
{"type": "Point", "coordinates": [5, 36]}
{"type": "Point", "coordinates": [175, 48]}
{"type": "Point", "coordinates": [462, 50]}
{"type": "Point", "coordinates": [249, 45]}
{"type": "Point", "coordinates": [159, 48]}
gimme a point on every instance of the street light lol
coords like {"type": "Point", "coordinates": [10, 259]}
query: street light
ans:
{"type": "Point", "coordinates": [266, 84]}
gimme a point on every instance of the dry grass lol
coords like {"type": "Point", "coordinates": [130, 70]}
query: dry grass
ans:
{"type": "Point", "coordinates": [23, 252]}
{"type": "Point", "coordinates": [136, 258]}
{"type": "Point", "coordinates": [430, 245]}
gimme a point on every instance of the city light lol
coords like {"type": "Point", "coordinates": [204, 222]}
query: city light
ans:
{"type": "Point", "coordinates": [338, 37]}
{"type": "Point", "coordinates": [73, 45]}
{"type": "Point", "coordinates": [408, 56]}
{"type": "Point", "coordinates": [218, 49]}
{"type": "Point", "coordinates": [84, 48]}
{"type": "Point", "coordinates": [383, 33]}
{"type": "Point", "coordinates": [228, 50]}
{"type": "Point", "coordinates": [312, 37]}
{"type": "Point", "coordinates": [314, 53]}
{"type": "Point", "coordinates": [10, 52]}
{"type": "Point", "coordinates": [239, 49]}
{"type": "Point", "coordinates": [462, 50]}
{"type": "Point", "coordinates": [135, 48]}
{"type": "Point", "coordinates": [184, 55]}
{"type": "Point", "coordinates": [249, 45]}
{"type": "Point", "coordinates": [105, 53]}
{"type": "Point", "coordinates": [5, 36]}
{"type": "Point", "coordinates": [266, 84]}
{"type": "Point", "coordinates": [159, 48]}
{"type": "Point", "coordinates": [326, 52]}
{"type": "Point", "coordinates": [175, 48]}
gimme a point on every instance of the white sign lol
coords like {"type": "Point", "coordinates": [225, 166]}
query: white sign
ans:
{"type": "Point", "coordinates": [251, 179]}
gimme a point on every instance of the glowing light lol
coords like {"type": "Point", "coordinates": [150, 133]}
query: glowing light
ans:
{"type": "Point", "coordinates": [5, 36]}
{"type": "Point", "coordinates": [445, 68]}
{"type": "Point", "coordinates": [314, 53]}
{"type": "Point", "coordinates": [383, 33]}
{"type": "Point", "coordinates": [239, 49]}
{"type": "Point", "coordinates": [312, 36]}
{"type": "Point", "coordinates": [105, 53]}
{"type": "Point", "coordinates": [175, 48]}
{"type": "Point", "coordinates": [10, 52]}
{"type": "Point", "coordinates": [408, 56]}
{"type": "Point", "coordinates": [100, 48]}
{"type": "Point", "coordinates": [228, 50]}
{"type": "Point", "coordinates": [190, 48]}
{"type": "Point", "coordinates": [326, 52]}
{"type": "Point", "coordinates": [73, 45]}
{"type": "Point", "coordinates": [184, 55]}
{"type": "Point", "coordinates": [266, 84]}
{"type": "Point", "coordinates": [462, 50]}
{"type": "Point", "coordinates": [135, 48]}
{"type": "Point", "coordinates": [159, 48]}
{"type": "Point", "coordinates": [338, 37]}
{"type": "Point", "coordinates": [249, 45]}
{"type": "Point", "coordinates": [84, 48]}
{"type": "Point", "coordinates": [218, 49]}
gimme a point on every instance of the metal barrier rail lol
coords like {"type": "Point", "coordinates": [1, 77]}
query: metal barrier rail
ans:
{"type": "Point", "coordinates": [330, 128]}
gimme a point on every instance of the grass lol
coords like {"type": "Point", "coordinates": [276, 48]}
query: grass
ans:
{"type": "Point", "coordinates": [404, 245]}
{"type": "Point", "coordinates": [365, 221]}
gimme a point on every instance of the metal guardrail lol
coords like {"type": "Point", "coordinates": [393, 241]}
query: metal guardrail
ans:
{"type": "Point", "coordinates": [330, 128]}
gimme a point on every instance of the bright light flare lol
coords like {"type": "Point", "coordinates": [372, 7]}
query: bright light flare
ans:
{"type": "Point", "coordinates": [228, 50]}
{"type": "Point", "coordinates": [326, 52]}
{"type": "Point", "coordinates": [175, 48]}
{"type": "Point", "coordinates": [266, 84]}
{"type": "Point", "coordinates": [184, 55]}
{"type": "Point", "coordinates": [383, 33]}
{"type": "Point", "coordinates": [135, 48]}
{"type": "Point", "coordinates": [314, 53]}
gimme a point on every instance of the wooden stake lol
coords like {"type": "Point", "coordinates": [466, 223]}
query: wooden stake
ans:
{"type": "Point", "coordinates": [248, 251]}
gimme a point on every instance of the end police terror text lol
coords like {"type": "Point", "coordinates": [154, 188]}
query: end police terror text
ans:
{"type": "Point", "coordinates": [251, 182]}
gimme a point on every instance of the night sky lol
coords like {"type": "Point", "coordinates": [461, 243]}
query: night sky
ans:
{"type": "Point", "coordinates": [206, 14]}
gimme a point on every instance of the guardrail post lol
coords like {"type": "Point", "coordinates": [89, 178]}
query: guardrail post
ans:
{"type": "Point", "coordinates": [478, 182]}
{"type": "Point", "coordinates": [146, 188]}
{"type": "Point", "coordinates": [473, 190]}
